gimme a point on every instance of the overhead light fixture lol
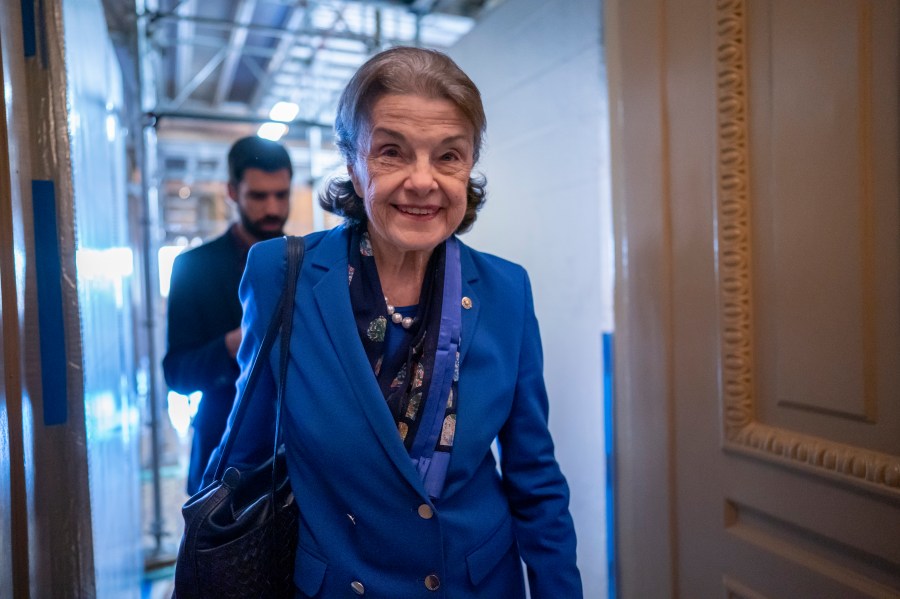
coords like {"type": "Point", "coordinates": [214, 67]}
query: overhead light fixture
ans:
{"type": "Point", "coordinates": [273, 131]}
{"type": "Point", "coordinates": [284, 112]}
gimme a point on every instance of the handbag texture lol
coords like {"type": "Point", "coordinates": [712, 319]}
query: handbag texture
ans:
{"type": "Point", "coordinates": [240, 531]}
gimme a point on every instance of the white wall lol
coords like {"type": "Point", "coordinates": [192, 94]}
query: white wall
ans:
{"type": "Point", "coordinates": [539, 66]}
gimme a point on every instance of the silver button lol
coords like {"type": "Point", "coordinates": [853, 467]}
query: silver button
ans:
{"type": "Point", "coordinates": [432, 582]}
{"type": "Point", "coordinates": [358, 587]}
{"type": "Point", "coordinates": [352, 519]}
{"type": "Point", "coordinates": [425, 511]}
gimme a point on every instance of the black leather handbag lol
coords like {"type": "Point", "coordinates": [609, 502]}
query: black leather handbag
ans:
{"type": "Point", "coordinates": [240, 531]}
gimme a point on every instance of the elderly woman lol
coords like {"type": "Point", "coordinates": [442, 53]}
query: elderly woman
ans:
{"type": "Point", "coordinates": [411, 353]}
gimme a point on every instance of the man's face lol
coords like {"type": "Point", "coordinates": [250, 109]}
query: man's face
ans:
{"type": "Point", "coordinates": [263, 201]}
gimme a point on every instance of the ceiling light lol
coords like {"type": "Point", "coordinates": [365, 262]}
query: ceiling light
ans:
{"type": "Point", "coordinates": [273, 131]}
{"type": "Point", "coordinates": [284, 112]}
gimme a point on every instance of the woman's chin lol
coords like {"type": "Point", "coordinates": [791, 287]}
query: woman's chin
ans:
{"type": "Point", "coordinates": [414, 245]}
{"type": "Point", "coordinates": [416, 239]}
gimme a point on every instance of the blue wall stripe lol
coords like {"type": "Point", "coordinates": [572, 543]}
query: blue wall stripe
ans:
{"type": "Point", "coordinates": [28, 29]}
{"type": "Point", "coordinates": [609, 422]}
{"type": "Point", "coordinates": [50, 303]}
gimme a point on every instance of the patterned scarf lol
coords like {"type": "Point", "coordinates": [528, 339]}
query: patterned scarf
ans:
{"type": "Point", "coordinates": [405, 377]}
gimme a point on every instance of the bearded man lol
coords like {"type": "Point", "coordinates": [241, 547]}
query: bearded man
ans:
{"type": "Point", "coordinates": [204, 313]}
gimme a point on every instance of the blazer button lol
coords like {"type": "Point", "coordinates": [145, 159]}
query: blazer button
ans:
{"type": "Point", "coordinates": [358, 587]}
{"type": "Point", "coordinates": [425, 511]}
{"type": "Point", "coordinates": [432, 582]}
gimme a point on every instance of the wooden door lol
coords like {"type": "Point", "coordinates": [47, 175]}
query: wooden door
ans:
{"type": "Point", "coordinates": [757, 209]}
{"type": "Point", "coordinates": [16, 458]}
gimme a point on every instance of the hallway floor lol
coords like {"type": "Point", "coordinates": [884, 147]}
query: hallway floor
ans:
{"type": "Point", "coordinates": [158, 584]}
{"type": "Point", "coordinates": [159, 562]}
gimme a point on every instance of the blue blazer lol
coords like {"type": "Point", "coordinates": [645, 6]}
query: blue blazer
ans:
{"type": "Point", "coordinates": [365, 518]}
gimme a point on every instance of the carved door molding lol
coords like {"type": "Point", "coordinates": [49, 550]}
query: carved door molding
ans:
{"type": "Point", "coordinates": [742, 432]}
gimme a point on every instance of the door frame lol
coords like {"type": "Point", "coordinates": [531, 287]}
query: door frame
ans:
{"type": "Point", "coordinates": [644, 436]}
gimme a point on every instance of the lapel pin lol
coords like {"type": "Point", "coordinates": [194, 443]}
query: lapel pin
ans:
{"type": "Point", "coordinates": [466, 303]}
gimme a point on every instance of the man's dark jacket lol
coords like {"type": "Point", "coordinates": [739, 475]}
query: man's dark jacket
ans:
{"type": "Point", "coordinates": [203, 307]}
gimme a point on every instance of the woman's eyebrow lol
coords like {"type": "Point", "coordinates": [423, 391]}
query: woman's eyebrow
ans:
{"type": "Point", "coordinates": [456, 139]}
{"type": "Point", "coordinates": [389, 132]}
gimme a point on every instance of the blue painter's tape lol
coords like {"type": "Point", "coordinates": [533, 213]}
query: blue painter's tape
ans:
{"type": "Point", "coordinates": [608, 418]}
{"type": "Point", "coordinates": [29, 38]}
{"type": "Point", "coordinates": [50, 304]}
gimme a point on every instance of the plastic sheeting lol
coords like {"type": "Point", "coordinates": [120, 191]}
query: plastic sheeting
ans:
{"type": "Point", "coordinates": [104, 268]}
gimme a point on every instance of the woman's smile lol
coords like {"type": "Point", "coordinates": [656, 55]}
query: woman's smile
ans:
{"type": "Point", "coordinates": [418, 212]}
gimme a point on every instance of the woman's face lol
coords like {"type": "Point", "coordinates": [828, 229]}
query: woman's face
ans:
{"type": "Point", "coordinates": [412, 172]}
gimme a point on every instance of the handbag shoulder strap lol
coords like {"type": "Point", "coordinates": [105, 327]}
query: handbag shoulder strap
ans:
{"type": "Point", "coordinates": [281, 322]}
{"type": "Point", "coordinates": [294, 251]}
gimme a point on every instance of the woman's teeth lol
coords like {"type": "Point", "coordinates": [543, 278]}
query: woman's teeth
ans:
{"type": "Point", "coordinates": [415, 211]}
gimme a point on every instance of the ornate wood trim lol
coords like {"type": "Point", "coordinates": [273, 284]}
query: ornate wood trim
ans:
{"type": "Point", "coordinates": [742, 433]}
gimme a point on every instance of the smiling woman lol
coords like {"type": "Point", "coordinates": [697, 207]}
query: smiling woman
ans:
{"type": "Point", "coordinates": [410, 354]}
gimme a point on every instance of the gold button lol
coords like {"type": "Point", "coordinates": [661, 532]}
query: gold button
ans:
{"type": "Point", "coordinates": [425, 511]}
{"type": "Point", "coordinates": [466, 303]}
{"type": "Point", "coordinates": [358, 587]}
{"type": "Point", "coordinates": [432, 582]}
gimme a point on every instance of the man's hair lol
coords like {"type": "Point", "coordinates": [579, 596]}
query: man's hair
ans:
{"type": "Point", "coordinates": [256, 152]}
{"type": "Point", "coordinates": [405, 71]}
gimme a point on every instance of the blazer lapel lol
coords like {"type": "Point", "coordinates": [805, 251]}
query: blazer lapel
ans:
{"type": "Point", "coordinates": [333, 302]}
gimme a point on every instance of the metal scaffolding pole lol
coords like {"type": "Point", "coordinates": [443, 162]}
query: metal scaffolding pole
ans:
{"type": "Point", "coordinates": [146, 148]}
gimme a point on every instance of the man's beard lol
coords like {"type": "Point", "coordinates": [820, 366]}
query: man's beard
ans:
{"type": "Point", "coordinates": [256, 230]}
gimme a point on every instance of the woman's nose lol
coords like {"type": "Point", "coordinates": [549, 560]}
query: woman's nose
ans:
{"type": "Point", "coordinates": [421, 178]}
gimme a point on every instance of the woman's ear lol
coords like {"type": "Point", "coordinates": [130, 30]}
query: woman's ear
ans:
{"type": "Point", "coordinates": [357, 187]}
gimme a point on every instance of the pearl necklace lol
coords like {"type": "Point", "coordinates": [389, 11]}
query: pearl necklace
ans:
{"type": "Point", "coordinates": [396, 317]}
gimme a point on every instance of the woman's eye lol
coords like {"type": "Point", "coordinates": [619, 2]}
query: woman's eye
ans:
{"type": "Point", "coordinates": [390, 152]}
{"type": "Point", "coordinates": [449, 156]}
